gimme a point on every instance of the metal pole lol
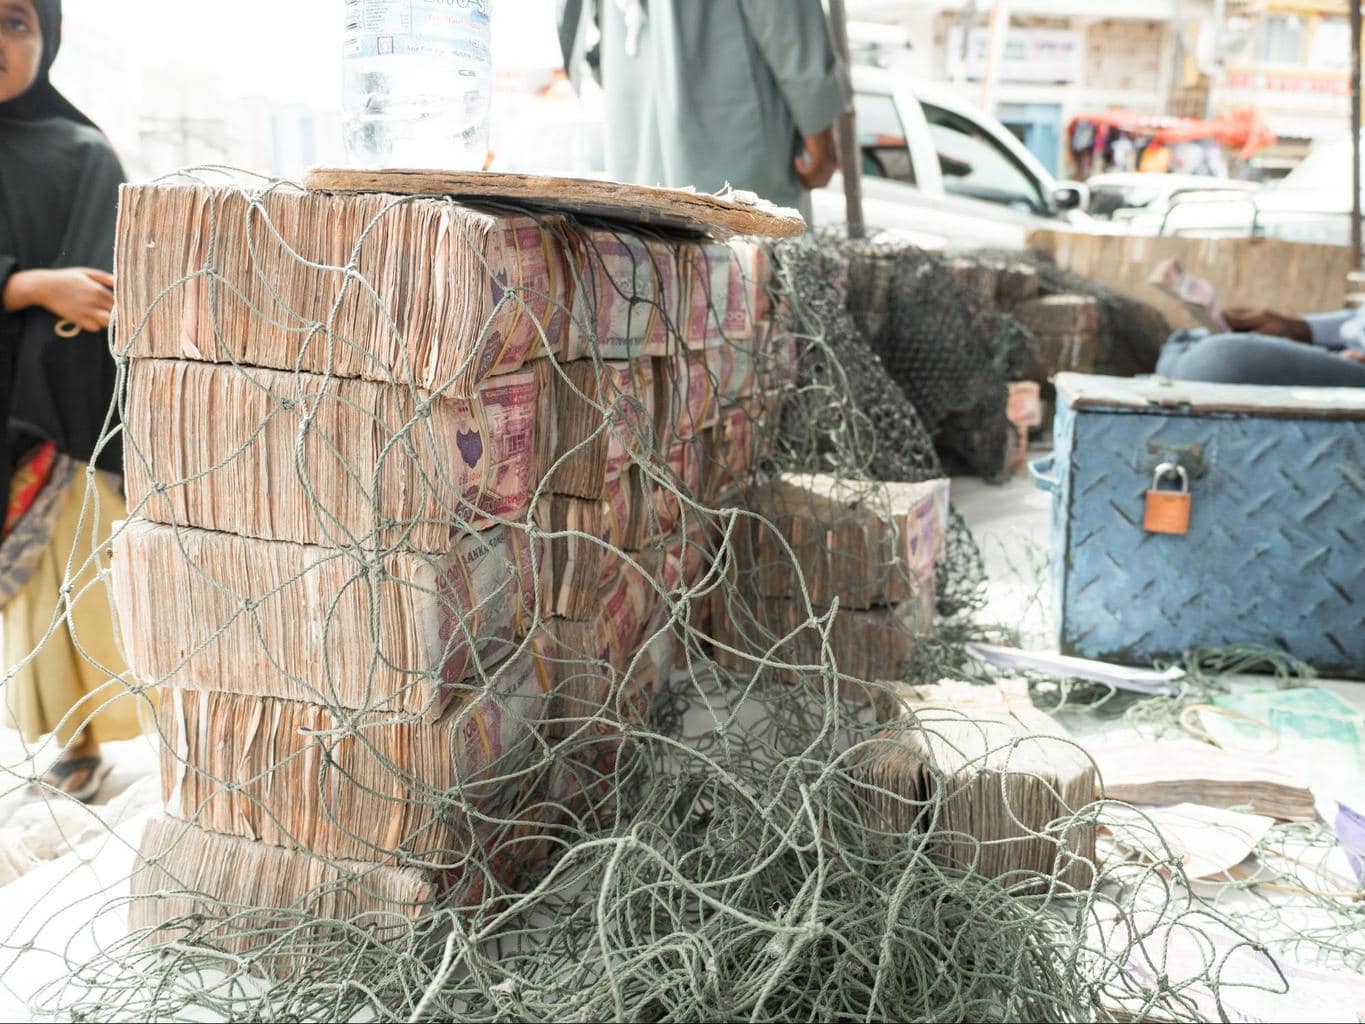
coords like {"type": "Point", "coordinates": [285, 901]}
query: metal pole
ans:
{"type": "Point", "coordinates": [966, 21]}
{"type": "Point", "coordinates": [1220, 24]}
{"type": "Point", "coordinates": [995, 53]}
{"type": "Point", "coordinates": [1355, 132]}
{"type": "Point", "coordinates": [850, 162]}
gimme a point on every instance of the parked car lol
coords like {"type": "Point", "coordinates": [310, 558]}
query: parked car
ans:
{"type": "Point", "coordinates": [1140, 200]}
{"type": "Point", "coordinates": [1310, 204]}
{"type": "Point", "coordinates": [943, 173]}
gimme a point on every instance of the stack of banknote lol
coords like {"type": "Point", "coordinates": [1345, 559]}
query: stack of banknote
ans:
{"type": "Point", "coordinates": [1008, 790]}
{"type": "Point", "coordinates": [819, 542]}
{"type": "Point", "coordinates": [418, 494]}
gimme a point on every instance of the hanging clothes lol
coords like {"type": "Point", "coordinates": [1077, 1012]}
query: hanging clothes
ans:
{"type": "Point", "coordinates": [1124, 153]}
{"type": "Point", "coordinates": [1156, 159]}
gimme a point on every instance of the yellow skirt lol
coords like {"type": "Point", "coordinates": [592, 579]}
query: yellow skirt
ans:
{"type": "Point", "coordinates": [71, 686]}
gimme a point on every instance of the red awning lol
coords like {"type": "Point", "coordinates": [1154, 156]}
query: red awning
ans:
{"type": "Point", "coordinates": [1242, 130]}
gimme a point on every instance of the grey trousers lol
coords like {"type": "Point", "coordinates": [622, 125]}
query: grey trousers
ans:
{"type": "Point", "coordinates": [1255, 359]}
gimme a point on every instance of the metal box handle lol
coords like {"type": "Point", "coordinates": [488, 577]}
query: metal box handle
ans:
{"type": "Point", "coordinates": [1041, 470]}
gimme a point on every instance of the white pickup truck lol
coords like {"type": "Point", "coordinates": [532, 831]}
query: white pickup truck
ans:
{"type": "Point", "coordinates": [1312, 204]}
{"type": "Point", "coordinates": [942, 173]}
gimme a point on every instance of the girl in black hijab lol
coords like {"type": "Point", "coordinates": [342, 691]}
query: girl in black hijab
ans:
{"type": "Point", "coordinates": [59, 182]}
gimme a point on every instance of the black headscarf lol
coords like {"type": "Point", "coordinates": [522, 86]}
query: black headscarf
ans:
{"type": "Point", "coordinates": [42, 99]}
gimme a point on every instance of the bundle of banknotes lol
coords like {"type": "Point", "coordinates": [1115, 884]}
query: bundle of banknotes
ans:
{"type": "Point", "coordinates": [353, 787]}
{"type": "Point", "coordinates": [402, 634]}
{"type": "Point", "coordinates": [304, 907]}
{"type": "Point", "coordinates": [1002, 782]}
{"type": "Point", "coordinates": [417, 492]}
{"type": "Point", "coordinates": [819, 541]}
{"type": "Point", "coordinates": [424, 293]}
{"type": "Point", "coordinates": [325, 460]}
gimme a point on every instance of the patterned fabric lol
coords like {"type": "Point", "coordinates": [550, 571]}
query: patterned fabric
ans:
{"type": "Point", "coordinates": [25, 542]}
{"type": "Point", "coordinates": [27, 480]}
{"type": "Point", "coordinates": [65, 667]}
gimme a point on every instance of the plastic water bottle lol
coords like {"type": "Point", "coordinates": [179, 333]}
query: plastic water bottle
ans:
{"type": "Point", "coordinates": [418, 81]}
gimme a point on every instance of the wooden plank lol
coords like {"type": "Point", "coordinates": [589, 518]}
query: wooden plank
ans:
{"type": "Point", "coordinates": [732, 213]}
{"type": "Point", "coordinates": [1288, 277]}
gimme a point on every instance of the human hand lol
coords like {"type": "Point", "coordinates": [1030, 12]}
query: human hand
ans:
{"type": "Point", "coordinates": [1263, 321]}
{"type": "Point", "coordinates": [1353, 355]}
{"type": "Point", "coordinates": [820, 160]}
{"type": "Point", "coordinates": [82, 295]}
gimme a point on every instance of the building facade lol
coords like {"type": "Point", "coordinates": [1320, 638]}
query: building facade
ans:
{"type": "Point", "coordinates": [1290, 59]}
{"type": "Point", "coordinates": [1062, 59]}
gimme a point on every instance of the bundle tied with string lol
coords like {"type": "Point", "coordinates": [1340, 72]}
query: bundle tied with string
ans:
{"type": "Point", "coordinates": [944, 343]}
{"type": "Point", "coordinates": [849, 416]}
{"type": "Point", "coordinates": [420, 559]}
{"type": "Point", "coordinates": [432, 510]}
{"type": "Point", "coordinates": [868, 550]}
{"type": "Point", "coordinates": [1129, 333]}
{"type": "Point", "coordinates": [982, 770]}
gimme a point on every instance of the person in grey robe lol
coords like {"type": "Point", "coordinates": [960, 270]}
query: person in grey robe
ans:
{"type": "Point", "coordinates": [711, 93]}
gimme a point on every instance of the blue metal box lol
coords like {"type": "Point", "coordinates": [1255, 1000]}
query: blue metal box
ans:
{"type": "Point", "coordinates": [1275, 553]}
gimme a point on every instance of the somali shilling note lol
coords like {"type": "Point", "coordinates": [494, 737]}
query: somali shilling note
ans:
{"type": "Point", "coordinates": [494, 451]}
{"type": "Point", "coordinates": [747, 302]}
{"type": "Point", "coordinates": [494, 733]}
{"type": "Point", "coordinates": [483, 589]}
{"type": "Point", "coordinates": [525, 257]}
{"type": "Point", "coordinates": [628, 393]}
{"type": "Point", "coordinates": [706, 272]}
{"type": "Point", "coordinates": [626, 303]}
{"type": "Point", "coordinates": [728, 450]}
{"type": "Point", "coordinates": [731, 365]}
{"type": "Point", "coordinates": [627, 604]}
{"type": "Point", "coordinates": [690, 394]}
{"type": "Point", "coordinates": [1197, 295]}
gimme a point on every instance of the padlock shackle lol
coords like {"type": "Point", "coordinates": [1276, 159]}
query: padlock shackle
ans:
{"type": "Point", "coordinates": [1171, 469]}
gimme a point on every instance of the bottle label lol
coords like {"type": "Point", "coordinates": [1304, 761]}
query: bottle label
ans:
{"type": "Point", "coordinates": [379, 28]}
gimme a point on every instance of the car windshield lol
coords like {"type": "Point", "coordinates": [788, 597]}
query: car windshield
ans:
{"type": "Point", "coordinates": [976, 166]}
{"type": "Point", "coordinates": [1106, 198]}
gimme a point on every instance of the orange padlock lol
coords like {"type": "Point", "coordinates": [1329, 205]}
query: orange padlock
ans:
{"type": "Point", "coordinates": [1168, 511]}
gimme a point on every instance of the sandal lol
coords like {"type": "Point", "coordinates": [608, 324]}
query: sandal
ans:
{"type": "Point", "coordinates": [62, 774]}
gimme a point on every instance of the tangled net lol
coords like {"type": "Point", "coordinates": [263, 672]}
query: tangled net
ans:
{"type": "Point", "coordinates": [712, 852]}
{"type": "Point", "coordinates": [1131, 332]}
{"type": "Point", "coordinates": [848, 416]}
{"type": "Point", "coordinates": [950, 350]}
{"type": "Point", "coordinates": [945, 328]}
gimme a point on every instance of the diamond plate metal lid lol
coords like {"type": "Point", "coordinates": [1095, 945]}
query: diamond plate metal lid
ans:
{"type": "Point", "coordinates": [1086, 391]}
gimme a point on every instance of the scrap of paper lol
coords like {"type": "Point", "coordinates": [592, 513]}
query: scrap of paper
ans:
{"type": "Point", "coordinates": [1122, 677]}
{"type": "Point", "coordinates": [1208, 841]}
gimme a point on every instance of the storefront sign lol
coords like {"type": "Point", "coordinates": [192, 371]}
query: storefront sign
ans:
{"type": "Point", "coordinates": [1293, 82]}
{"type": "Point", "coordinates": [1032, 55]}
{"type": "Point", "coordinates": [1317, 102]}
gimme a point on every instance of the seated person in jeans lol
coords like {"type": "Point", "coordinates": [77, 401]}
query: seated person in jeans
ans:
{"type": "Point", "coordinates": [1320, 350]}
